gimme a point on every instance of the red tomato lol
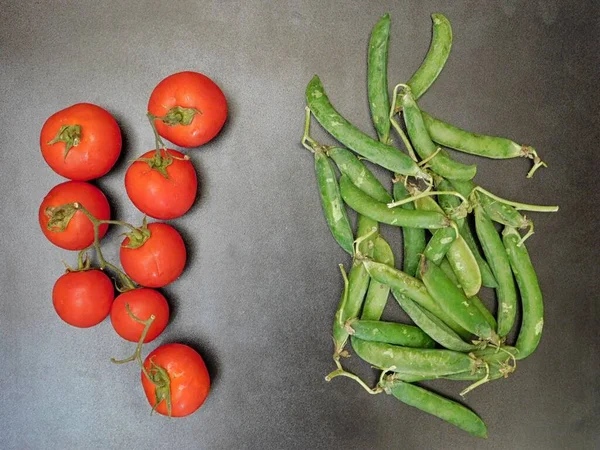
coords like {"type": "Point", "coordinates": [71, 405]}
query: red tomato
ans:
{"type": "Point", "coordinates": [79, 233]}
{"type": "Point", "coordinates": [191, 91]}
{"type": "Point", "coordinates": [159, 261]}
{"type": "Point", "coordinates": [81, 142]}
{"type": "Point", "coordinates": [156, 195]}
{"type": "Point", "coordinates": [188, 378]}
{"type": "Point", "coordinates": [83, 299]}
{"type": "Point", "coordinates": [143, 303]}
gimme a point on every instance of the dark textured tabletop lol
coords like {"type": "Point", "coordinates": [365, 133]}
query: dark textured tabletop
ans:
{"type": "Point", "coordinates": [261, 286]}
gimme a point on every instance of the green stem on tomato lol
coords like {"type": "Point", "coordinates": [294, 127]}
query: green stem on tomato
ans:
{"type": "Point", "coordinates": [127, 282]}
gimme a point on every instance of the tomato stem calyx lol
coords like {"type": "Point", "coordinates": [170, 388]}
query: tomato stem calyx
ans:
{"type": "Point", "coordinates": [70, 135]}
{"type": "Point", "coordinates": [138, 236]}
{"type": "Point", "coordinates": [178, 115]}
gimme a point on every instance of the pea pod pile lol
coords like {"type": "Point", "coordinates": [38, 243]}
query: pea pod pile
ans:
{"type": "Point", "coordinates": [454, 335]}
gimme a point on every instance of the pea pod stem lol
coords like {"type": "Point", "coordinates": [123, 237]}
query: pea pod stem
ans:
{"type": "Point", "coordinates": [396, 125]}
{"type": "Point", "coordinates": [517, 205]}
{"type": "Point", "coordinates": [426, 194]}
{"type": "Point", "coordinates": [340, 372]}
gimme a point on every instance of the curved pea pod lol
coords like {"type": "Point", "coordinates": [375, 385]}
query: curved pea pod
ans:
{"type": "Point", "coordinates": [464, 266]}
{"type": "Point", "coordinates": [447, 268]}
{"type": "Point", "coordinates": [531, 294]}
{"type": "Point", "coordinates": [355, 288]}
{"type": "Point", "coordinates": [498, 212]}
{"type": "Point", "coordinates": [378, 293]}
{"type": "Point", "coordinates": [439, 50]}
{"type": "Point", "coordinates": [450, 204]}
{"type": "Point", "coordinates": [431, 325]}
{"type": "Point", "coordinates": [331, 201]}
{"type": "Point", "coordinates": [413, 239]}
{"type": "Point", "coordinates": [368, 206]}
{"type": "Point", "coordinates": [495, 253]}
{"type": "Point", "coordinates": [358, 173]}
{"type": "Point", "coordinates": [459, 254]}
{"type": "Point", "coordinates": [441, 163]}
{"type": "Point", "coordinates": [502, 213]}
{"type": "Point", "coordinates": [412, 288]}
{"type": "Point", "coordinates": [478, 144]}
{"type": "Point", "coordinates": [381, 154]}
{"type": "Point", "coordinates": [439, 244]}
{"type": "Point", "coordinates": [390, 333]}
{"type": "Point", "coordinates": [454, 302]}
{"type": "Point", "coordinates": [414, 361]}
{"type": "Point", "coordinates": [429, 402]}
{"type": "Point", "coordinates": [377, 83]}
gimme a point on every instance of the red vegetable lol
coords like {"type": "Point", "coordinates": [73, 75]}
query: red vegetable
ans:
{"type": "Point", "coordinates": [73, 230]}
{"type": "Point", "coordinates": [182, 378]}
{"type": "Point", "coordinates": [83, 299]}
{"type": "Point", "coordinates": [81, 142]}
{"type": "Point", "coordinates": [190, 109]}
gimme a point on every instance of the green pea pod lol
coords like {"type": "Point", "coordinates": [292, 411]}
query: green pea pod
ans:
{"type": "Point", "coordinates": [500, 363]}
{"type": "Point", "coordinates": [384, 155]}
{"type": "Point", "coordinates": [441, 164]}
{"type": "Point", "coordinates": [368, 206]}
{"type": "Point", "coordinates": [447, 268]}
{"type": "Point", "coordinates": [358, 173]}
{"type": "Point", "coordinates": [439, 244]}
{"type": "Point", "coordinates": [502, 213]}
{"type": "Point", "coordinates": [439, 50]}
{"type": "Point", "coordinates": [414, 361]}
{"type": "Point", "coordinates": [487, 276]}
{"type": "Point", "coordinates": [412, 288]}
{"type": "Point", "coordinates": [498, 212]}
{"type": "Point", "coordinates": [454, 302]}
{"type": "Point", "coordinates": [479, 144]}
{"type": "Point", "coordinates": [531, 294]}
{"type": "Point", "coordinates": [413, 238]}
{"type": "Point", "coordinates": [429, 402]}
{"type": "Point", "coordinates": [459, 254]}
{"type": "Point", "coordinates": [331, 201]}
{"type": "Point", "coordinates": [430, 324]}
{"type": "Point", "coordinates": [451, 203]}
{"type": "Point", "coordinates": [390, 333]}
{"type": "Point", "coordinates": [465, 266]}
{"type": "Point", "coordinates": [377, 83]}
{"type": "Point", "coordinates": [495, 253]}
{"type": "Point", "coordinates": [358, 282]}
{"type": "Point", "coordinates": [378, 293]}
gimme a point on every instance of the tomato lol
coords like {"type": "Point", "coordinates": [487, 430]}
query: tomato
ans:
{"type": "Point", "coordinates": [156, 195]}
{"type": "Point", "coordinates": [187, 375]}
{"type": "Point", "coordinates": [83, 299]}
{"type": "Point", "coordinates": [191, 108]}
{"type": "Point", "coordinates": [81, 142]}
{"type": "Point", "coordinates": [79, 232]}
{"type": "Point", "coordinates": [159, 260]}
{"type": "Point", "coordinates": [142, 303]}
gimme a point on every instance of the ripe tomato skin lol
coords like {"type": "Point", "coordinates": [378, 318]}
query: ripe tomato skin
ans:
{"type": "Point", "coordinates": [143, 302]}
{"type": "Point", "coordinates": [190, 381]}
{"type": "Point", "coordinates": [83, 299]}
{"type": "Point", "coordinates": [98, 149]}
{"type": "Point", "coordinates": [160, 197]}
{"type": "Point", "coordinates": [79, 233]}
{"type": "Point", "coordinates": [159, 261]}
{"type": "Point", "coordinates": [189, 90]}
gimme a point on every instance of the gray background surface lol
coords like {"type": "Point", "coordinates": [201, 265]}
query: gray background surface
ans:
{"type": "Point", "coordinates": [262, 283]}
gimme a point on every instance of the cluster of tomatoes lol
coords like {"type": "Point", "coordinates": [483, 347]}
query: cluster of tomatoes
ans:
{"type": "Point", "coordinates": [82, 143]}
